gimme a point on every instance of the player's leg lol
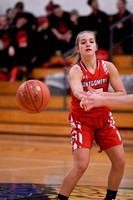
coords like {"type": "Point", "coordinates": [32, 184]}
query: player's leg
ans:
{"type": "Point", "coordinates": [110, 141]}
{"type": "Point", "coordinates": [81, 139]}
{"type": "Point", "coordinates": [117, 158]}
{"type": "Point", "coordinates": [81, 160]}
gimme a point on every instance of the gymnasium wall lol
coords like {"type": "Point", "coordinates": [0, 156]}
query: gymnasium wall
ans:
{"type": "Point", "coordinates": [37, 6]}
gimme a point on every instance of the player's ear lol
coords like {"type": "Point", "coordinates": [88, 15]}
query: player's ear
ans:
{"type": "Point", "coordinates": [77, 49]}
{"type": "Point", "coordinates": [96, 47]}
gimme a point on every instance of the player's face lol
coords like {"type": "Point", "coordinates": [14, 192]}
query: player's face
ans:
{"type": "Point", "coordinates": [87, 44]}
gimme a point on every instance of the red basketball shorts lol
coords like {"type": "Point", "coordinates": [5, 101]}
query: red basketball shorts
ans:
{"type": "Point", "coordinates": [102, 129]}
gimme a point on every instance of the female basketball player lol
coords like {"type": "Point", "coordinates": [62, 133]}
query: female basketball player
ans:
{"type": "Point", "coordinates": [93, 99]}
{"type": "Point", "coordinates": [96, 124]}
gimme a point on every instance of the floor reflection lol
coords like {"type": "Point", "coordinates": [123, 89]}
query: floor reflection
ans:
{"type": "Point", "coordinates": [46, 192]}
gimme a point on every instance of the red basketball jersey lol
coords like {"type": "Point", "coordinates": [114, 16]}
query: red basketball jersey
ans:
{"type": "Point", "coordinates": [99, 81]}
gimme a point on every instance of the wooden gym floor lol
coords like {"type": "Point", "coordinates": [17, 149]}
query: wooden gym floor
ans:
{"type": "Point", "coordinates": [33, 167]}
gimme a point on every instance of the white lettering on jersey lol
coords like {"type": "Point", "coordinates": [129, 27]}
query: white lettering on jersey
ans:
{"type": "Point", "coordinates": [95, 82]}
{"type": "Point", "coordinates": [99, 89]}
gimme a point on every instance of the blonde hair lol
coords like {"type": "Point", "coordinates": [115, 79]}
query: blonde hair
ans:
{"type": "Point", "coordinates": [77, 55]}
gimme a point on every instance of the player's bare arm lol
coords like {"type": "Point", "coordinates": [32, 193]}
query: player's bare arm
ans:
{"type": "Point", "coordinates": [115, 81]}
{"type": "Point", "coordinates": [96, 100]}
{"type": "Point", "coordinates": [116, 101]}
{"type": "Point", "coordinates": [75, 77]}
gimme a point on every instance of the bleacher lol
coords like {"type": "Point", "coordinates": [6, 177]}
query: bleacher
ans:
{"type": "Point", "coordinates": [123, 63]}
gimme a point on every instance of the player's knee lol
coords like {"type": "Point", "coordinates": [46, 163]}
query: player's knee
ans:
{"type": "Point", "coordinates": [80, 168]}
{"type": "Point", "coordinates": [120, 163]}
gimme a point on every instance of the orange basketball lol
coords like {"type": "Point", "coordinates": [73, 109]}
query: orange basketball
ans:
{"type": "Point", "coordinates": [33, 96]}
